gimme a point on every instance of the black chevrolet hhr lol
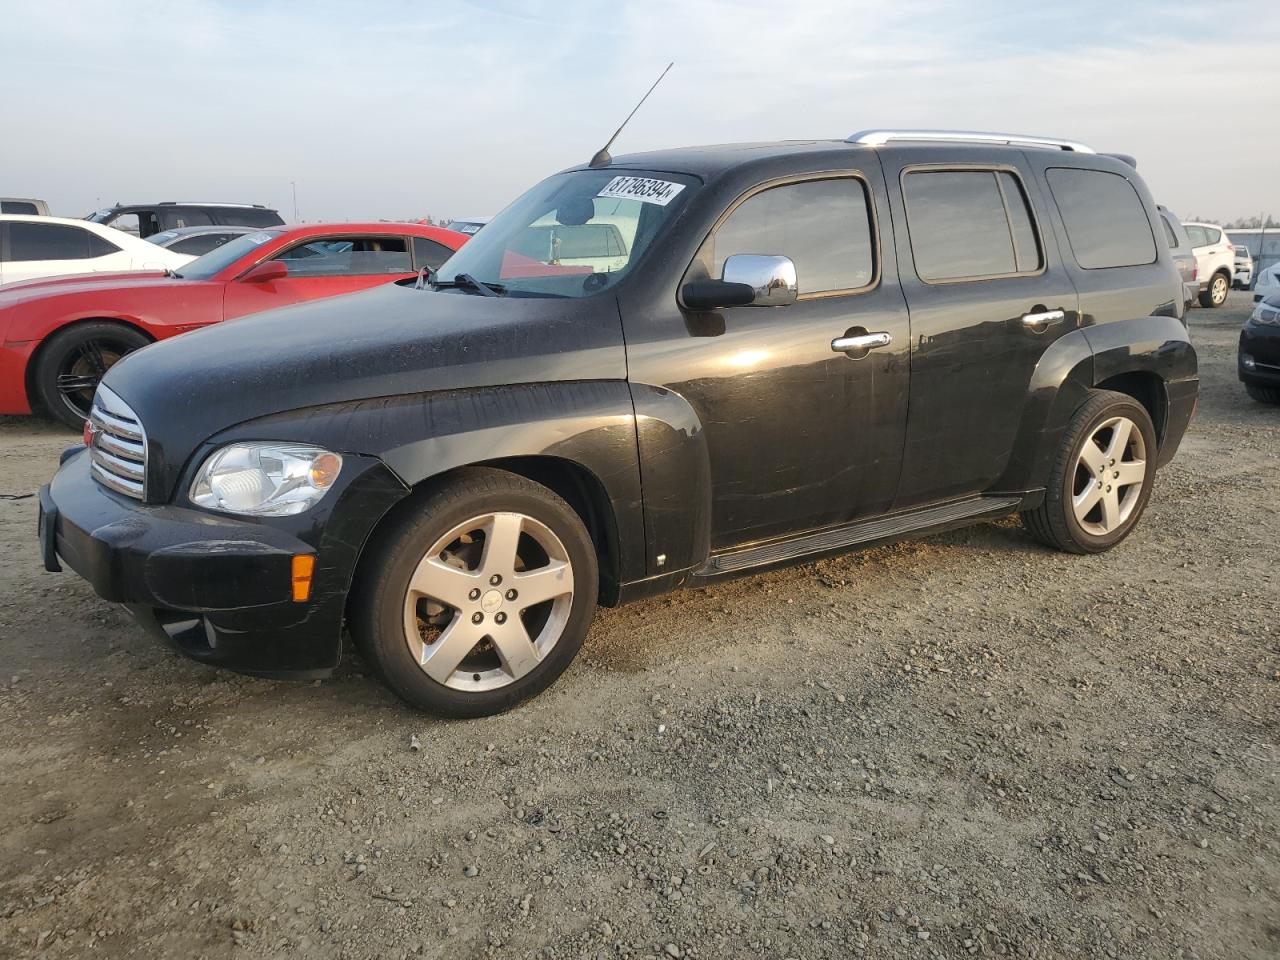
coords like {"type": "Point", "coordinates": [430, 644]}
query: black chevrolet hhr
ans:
{"type": "Point", "coordinates": [646, 373]}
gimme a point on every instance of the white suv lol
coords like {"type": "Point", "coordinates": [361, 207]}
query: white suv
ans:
{"type": "Point", "coordinates": [1215, 262]}
{"type": "Point", "coordinates": [32, 248]}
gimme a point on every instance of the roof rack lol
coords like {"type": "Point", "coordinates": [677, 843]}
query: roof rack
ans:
{"type": "Point", "coordinates": [878, 138]}
{"type": "Point", "coordinates": [208, 203]}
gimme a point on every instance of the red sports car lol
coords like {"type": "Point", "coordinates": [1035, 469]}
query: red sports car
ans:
{"type": "Point", "coordinates": [58, 336]}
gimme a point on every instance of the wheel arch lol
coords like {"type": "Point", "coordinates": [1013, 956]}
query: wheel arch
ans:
{"type": "Point", "coordinates": [28, 375]}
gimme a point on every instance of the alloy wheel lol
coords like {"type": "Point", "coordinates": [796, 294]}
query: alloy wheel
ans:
{"type": "Point", "coordinates": [1109, 474]}
{"type": "Point", "coordinates": [1219, 289]}
{"type": "Point", "coordinates": [82, 369]}
{"type": "Point", "coordinates": [488, 602]}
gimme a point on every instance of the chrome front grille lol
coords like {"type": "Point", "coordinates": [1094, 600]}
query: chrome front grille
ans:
{"type": "Point", "coordinates": [117, 446]}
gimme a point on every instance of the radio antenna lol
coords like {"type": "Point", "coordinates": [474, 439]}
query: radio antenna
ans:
{"type": "Point", "coordinates": [602, 158]}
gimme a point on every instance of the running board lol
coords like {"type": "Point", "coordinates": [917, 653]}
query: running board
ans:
{"type": "Point", "coordinates": [864, 531]}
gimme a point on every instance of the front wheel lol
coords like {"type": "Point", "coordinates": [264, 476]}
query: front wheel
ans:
{"type": "Point", "coordinates": [1263, 394]}
{"type": "Point", "coordinates": [1101, 478]}
{"type": "Point", "coordinates": [72, 363]}
{"type": "Point", "coordinates": [476, 596]}
{"type": "Point", "coordinates": [1216, 295]}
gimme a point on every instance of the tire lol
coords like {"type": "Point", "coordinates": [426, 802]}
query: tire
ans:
{"type": "Point", "coordinates": [427, 563]}
{"type": "Point", "coordinates": [1263, 394]}
{"type": "Point", "coordinates": [1077, 473]}
{"type": "Point", "coordinates": [1216, 294]}
{"type": "Point", "coordinates": [78, 357]}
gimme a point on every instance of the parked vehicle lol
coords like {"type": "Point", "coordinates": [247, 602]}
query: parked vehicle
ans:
{"type": "Point", "coordinates": [24, 206]}
{"type": "Point", "coordinates": [805, 348]}
{"type": "Point", "coordinates": [470, 226]}
{"type": "Point", "coordinates": [34, 247]}
{"type": "Point", "coordinates": [1263, 247]}
{"type": "Point", "coordinates": [1244, 269]}
{"type": "Point", "coordinates": [1215, 262]}
{"type": "Point", "coordinates": [57, 338]}
{"type": "Point", "coordinates": [1184, 260]}
{"type": "Point", "coordinates": [145, 219]}
{"type": "Point", "coordinates": [1258, 360]}
{"type": "Point", "coordinates": [1267, 282]}
{"type": "Point", "coordinates": [197, 241]}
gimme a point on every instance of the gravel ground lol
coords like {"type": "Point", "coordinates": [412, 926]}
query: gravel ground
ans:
{"type": "Point", "coordinates": [965, 745]}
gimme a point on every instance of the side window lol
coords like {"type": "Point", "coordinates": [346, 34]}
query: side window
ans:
{"type": "Point", "coordinates": [173, 217]}
{"type": "Point", "coordinates": [1212, 234]}
{"type": "Point", "coordinates": [98, 247]}
{"type": "Point", "coordinates": [53, 241]}
{"type": "Point", "coordinates": [1106, 223]}
{"type": "Point", "coordinates": [18, 206]}
{"type": "Point", "coordinates": [1170, 235]}
{"type": "Point", "coordinates": [824, 226]}
{"type": "Point", "coordinates": [1197, 235]}
{"type": "Point", "coordinates": [428, 253]}
{"type": "Point", "coordinates": [970, 224]}
{"type": "Point", "coordinates": [348, 257]}
{"type": "Point", "coordinates": [127, 223]}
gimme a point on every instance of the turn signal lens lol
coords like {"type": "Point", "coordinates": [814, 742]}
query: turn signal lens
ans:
{"type": "Point", "coordinates": [324, 470]}
{"type": "Point", "coordinates": [304, 564]}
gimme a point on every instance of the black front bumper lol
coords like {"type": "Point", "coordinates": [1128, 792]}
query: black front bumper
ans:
{"type": "Point", "coordinates": [1261, 342]}
{"type": "Point", "coordinates": [216, 587]}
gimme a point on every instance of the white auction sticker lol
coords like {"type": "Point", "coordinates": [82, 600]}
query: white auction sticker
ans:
{"type": "Point", "coordinates": [643, 189]}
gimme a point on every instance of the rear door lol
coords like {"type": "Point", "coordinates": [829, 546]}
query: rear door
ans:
{"type": "Point", "coordinates": [987, 294]}
{"type": "Point", "coordinates": [324, 267]}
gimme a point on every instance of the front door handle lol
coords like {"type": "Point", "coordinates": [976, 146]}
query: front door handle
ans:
{"type": "Point", "coordinates": [861, 342]}
{"type": "Point", "coordinates": [1039, 322]}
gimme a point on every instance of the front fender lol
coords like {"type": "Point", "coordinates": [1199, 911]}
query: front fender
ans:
{"type": "Point", "coordinates": [591, 424]}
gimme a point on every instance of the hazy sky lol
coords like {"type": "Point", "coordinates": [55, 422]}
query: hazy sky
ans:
{"type": "Point", "coordinates": [389, 109]}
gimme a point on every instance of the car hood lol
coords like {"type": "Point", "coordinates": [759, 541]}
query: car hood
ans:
{"type": "Point", "coordinates": [392, 340]}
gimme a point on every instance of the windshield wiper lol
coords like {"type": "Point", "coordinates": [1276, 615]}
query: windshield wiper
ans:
{"type": "Point", "coordinates": [465, 281]}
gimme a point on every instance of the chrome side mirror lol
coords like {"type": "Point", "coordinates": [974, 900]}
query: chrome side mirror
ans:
{"type": "Point", "coordinates": [748, 280]}
{"type": "Point", "coordinates": [772, 279]}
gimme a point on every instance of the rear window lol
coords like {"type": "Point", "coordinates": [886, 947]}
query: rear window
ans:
{"type": "Point", "coordinates": [1104, 217]}
{"type": "Point", "coordinates": [969, 225]}
{"type": "Point", "coordinates": [18, 206]}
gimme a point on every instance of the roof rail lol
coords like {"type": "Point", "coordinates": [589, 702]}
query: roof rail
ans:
{"type": "Point", "coordinates": [878, 138]}
{"type": "Point", "coordinates": [208, 203]}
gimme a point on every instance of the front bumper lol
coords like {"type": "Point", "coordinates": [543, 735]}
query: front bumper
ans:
{"type": "Point", "coordinates": [218, 588]}
{"type": "Point", "coordinates": [1261, 342]}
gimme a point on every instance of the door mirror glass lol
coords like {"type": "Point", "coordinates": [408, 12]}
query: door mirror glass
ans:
{"type": "Point", "coordinates": [749, 280]}
{"type": "Point", "coordinates": [267, 272]}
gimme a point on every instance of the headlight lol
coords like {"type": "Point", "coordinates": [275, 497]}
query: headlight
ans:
{"type": "Point", "coordinates": [265, 479]}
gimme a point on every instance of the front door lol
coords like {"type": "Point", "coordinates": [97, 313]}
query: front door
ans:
{"type": "Point", "coordinates": [799, 435]}
{"type": "Point", "coordinates": [988, 295]}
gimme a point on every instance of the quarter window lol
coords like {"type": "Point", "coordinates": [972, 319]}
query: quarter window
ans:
{"type": "Point", "coordinates": [348, 257]}
{"type": "Point", "coordinates": [1170, 235]}
{"type": "Point", "coordinates": [1105, 220]}
{"type": "Point", "coordinates": [430, 254]}
{"type": "Point", "coordinates": [824, 226]}
{"type": "Point", "coordinates": [54, 241]}
{"type": "Point", "coordinates": [970, 224]}
{"type": "Point", "coordinates": [1197, 235]}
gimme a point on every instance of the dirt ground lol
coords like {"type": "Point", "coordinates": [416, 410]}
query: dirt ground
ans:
{"type": "Point", "coordinates": [959, 746]}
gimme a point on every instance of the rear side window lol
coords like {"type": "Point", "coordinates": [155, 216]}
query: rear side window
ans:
{"type": "Point", "coordinates": [969, 225]}
{"type": "Point", "coordinates": [1170, 235]}
{"type": "Point", "coordinates": [1213, 234]}
{"type": "Point", "coordinates": [824, 226]}
{"type": "Point", "coordinates": [1197, 235]}
{"type": "Point", "coordinates": [247, 217]}
{"type": "Point", "coordinates": [430, 254]}
{"type": "Point", "coordinates": [54, 241]}
{"type": "Point", "coordinates": [171, 218]}
{"type": "Point", "coordinates": [1106, 223]}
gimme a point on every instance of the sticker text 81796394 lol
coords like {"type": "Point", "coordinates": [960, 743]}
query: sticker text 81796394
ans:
{"type": "Point", "coordinates": [644, 189]}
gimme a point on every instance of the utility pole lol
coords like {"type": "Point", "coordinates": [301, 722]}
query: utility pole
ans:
{"type": "Point", "coordinates": [294, 185]}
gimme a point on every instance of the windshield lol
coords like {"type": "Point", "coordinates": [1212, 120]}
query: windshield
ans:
{"type": "Point", "coordinates": [100, 216]}
{"type": "Point", "coordinates": [218, 259]}
{"type": "Point", "coordinates": [572, 235]}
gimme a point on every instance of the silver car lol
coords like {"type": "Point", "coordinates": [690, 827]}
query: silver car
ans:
{"type": "Point", "coordinates": [197, 241]}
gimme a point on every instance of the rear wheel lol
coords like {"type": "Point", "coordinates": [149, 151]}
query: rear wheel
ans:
{"type": "Point", "coordinates": [1101, 479]}
{"type": "Point", "coordinates": [1216, 294]}
{"type": "Point", "coordinates": [477, 596]}
{"type": "Point", "coordinates": [72, 363]}
{"type": "Point", "coordinates": [1263, 394]}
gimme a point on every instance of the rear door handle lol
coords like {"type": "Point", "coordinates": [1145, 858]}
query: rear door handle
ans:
{"type": "Point", "coordinates": [1039, 322]}
{"type": "Point", "coordinates": [864, 341]}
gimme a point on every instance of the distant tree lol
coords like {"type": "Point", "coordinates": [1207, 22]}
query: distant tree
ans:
{"type": "Point", "coordinates": [1254, 223]}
